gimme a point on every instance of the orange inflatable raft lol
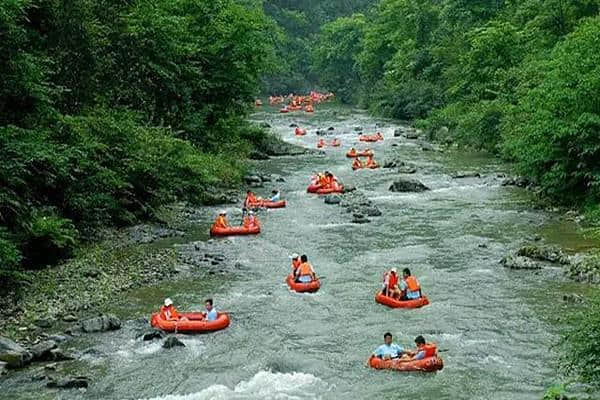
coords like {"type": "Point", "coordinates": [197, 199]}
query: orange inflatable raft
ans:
{"type": "Point", "coordinates": [336, 143]}
{"type": "Point", "coordinates": [234, 231]}
{"type": "Point", "coordinates": [268, 204]}
{"type": "Point", "coordinates": [195, 323]}
{"type": "Point", "coordinates": [300, 132]}
{"type": "Point", "coordinates": [299, 287]}
{"type": "Point", "coordinates": [393, 303]}
{"type": "Point", "coordinates": [371, 138]}
{"type": "Point", "coordinates": [429, 364]}
{"type": "Point", "coordinates": [284, 110]}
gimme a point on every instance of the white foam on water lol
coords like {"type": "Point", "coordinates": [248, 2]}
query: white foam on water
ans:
{"type": "Point", "coordinates": [263, 385]}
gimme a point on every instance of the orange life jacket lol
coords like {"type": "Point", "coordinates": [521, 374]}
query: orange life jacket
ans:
{"type": "Point", "coordinates": [251, 199]}
{"type": "Point", "coordinates": [352, 152]}
{"type": "Point", "coordinates": [169, 313]}
{"type": "Point", "coordinates": [413, 284]}
{"type": "Point", "coordinates": [371, 162]}
{"type": "Point", "coordinates": [323, 181]}
{"type": "Point", "coordinates": [357, 163]}
{"type": "Point", "coordinates": [430, 349]}
{"type": "Point", "coordinates": [221, 222]}
{"type": "Point", "coordinates": [305, 269]}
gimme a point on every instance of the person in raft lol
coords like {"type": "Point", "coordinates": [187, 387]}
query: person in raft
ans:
{"type": "Point", "coordinates": [352, 152]}
{"type": "Point", "coordinates": [409, 285]}
{"type": "Point", "coordinates": [371, 163]}
{"type": "Point", "coordinates": [168, 312]}
{"type": "Point", "coordinates": [250, 220]}
{"type": "Point", "coordinates": [305, 272]}
{"type": "Point", "coordinates": [390, 284]}
{"type": "Point", "coordinates": [211, 312]}
{"type": "Point", "coordinates": [423, 350]}
{"type": "Point", "coordinates": [251, 199]}
{"type": "Point", "coordinates": [295, 263]}
{"type": "Point", "coordinates": [275, 195]}
{"type": "Point", "coordinates": [221, 221]}
{"type": "Point", "coordinates": [388, 349]}
{"type": "Point", "coordinates": [357, 164]}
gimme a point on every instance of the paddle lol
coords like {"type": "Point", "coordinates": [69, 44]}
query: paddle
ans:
{"type": "Point", "coordinates": [243, 215]}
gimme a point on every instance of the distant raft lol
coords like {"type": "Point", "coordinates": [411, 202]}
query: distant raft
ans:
{"type": "Point", "coordinates": [268, 204]}
{"type": "Point", "coordinates": [429, 364]}
{"type": "Point", "coordinates": [393, 303]}
{"type": "Point", "coordinates": [235, 231]}
{"type": "Point", "coordinates": [195, 323]}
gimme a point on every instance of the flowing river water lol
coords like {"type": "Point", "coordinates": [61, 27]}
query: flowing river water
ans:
{"type": "Point", "coordinates": [283, 345]}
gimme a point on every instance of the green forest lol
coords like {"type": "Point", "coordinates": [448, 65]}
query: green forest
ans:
{"type": "Point", "coordinates": [109, 110]}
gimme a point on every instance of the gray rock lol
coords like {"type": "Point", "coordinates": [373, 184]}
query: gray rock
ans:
{"type": "Point", "coordinates": [471, 174]}
{"type": "Point", "coordinates": [407, 169]}
{"type": "Point", "coordinates": [155, 334]}
{"type": "Point", "coordinates": [331, 128]}
{"type": "Point", "coordinates": [13, 354]}
{"type": "Point", "coordinates": [320, 132]}
{"type": "Point", "coordinates": [41, 351]}
{"type": "Point", "coordinates": [333, 199]}
{"type": "Point", "coordinates": [379, 125]}
{"type": "Point", "coordinates": [69, 383]}
{"type": "Point", "coordinates": [258, 155]}
{"type": "Point", "coordinates": [551, 254]}
{"type": "Point", "coordinates": [171, 342]}
{"type": "Point", "coordinates": [518, 181]}
{"type": "Point", "coordinates": [280, 179]}
{"type": "Point", "coordinates": [44, 322]}
{"type": "Point", "coordinates": [69, 318]}
{"type": "Point", "coordinates": [397, 132]}
{"type": "Point", "coordinates": [358, 129]}
{"type": "Point", "coordinates": [293, 125]}
{"type": "Point", "coordinates": [573, 298]}
{"type": "Point", "coordinates": [407, 185]}
{"type": "Point", "coordinates": [3, 367]}
{"type": "Point", "coordinates": [58, 338]}
{"type": "Point", "coordinates": [518, 262]}
{"type": "Point", "coordinates": [427, 146]}
{"type": "Point", "coordinates": [265, 125]}
{"type": "Point", "coordinates": [373, 212]}
{"type": "Point", "coordinates": [60, 355]}
{"type": "Point", "coordinates": [102, 323]}
{"type": "Point", "coordinates": [360, 219]}
{"type": "Point", "coordinates": [250, 179]}
{"type": "Point", "coordinates": [349, 188]}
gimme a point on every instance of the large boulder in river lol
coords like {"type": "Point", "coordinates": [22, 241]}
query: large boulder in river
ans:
{"type": "Point", "coordinates": [519, 262]}
{"type": "Point", "coordinates": [171, 342]}
{"type": "Point", "coordinates": [333, 199]}
{"type": "Point", "coordinates": [551, 254]}
{"type": "Point", "coordinates": [102, 323]}
{"type": "Point", "coordinates": [77, 382]}
{"type": "Point", "coordinates": [13, 354]}
{"type": "Point", "coordinates": [42, 350]}
{"type": "Point", "coordinates": [407, 185]}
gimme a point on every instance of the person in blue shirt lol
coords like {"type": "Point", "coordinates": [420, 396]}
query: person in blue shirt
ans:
{"type": "Point", "coordinates": [388, 350]}
{"type": "Point", "coordinates": [211, 312]}
{"type": "Point", "coordinates": [275, 195]}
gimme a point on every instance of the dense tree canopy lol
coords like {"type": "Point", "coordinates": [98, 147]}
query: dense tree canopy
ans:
{"type": "Point", "coordinates": [109, 109]}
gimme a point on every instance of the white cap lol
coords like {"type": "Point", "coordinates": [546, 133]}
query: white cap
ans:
{"type": "Point", "coordinates": [251, 212]}
{"type": "Point", "coordinates": [394, 270]}
{"type": "Point", "coordinates": [168, 302]}
{"type": "Point", "coordinates": [223, 212]}
{"type": "Point", "coordinates": [295, 255]}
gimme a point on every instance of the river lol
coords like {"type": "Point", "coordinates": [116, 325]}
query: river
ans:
{"type": "Point", "coordinates": [283, 345]}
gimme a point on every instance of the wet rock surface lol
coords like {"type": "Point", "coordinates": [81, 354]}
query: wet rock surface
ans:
{"type": "Point", "coordinates": [13, 354]}
{"type": "Point", "coordinates": [103, 323]}
{"type": "Point", "coordinates": [407, 185]}
{"type": "Point", "coordinates": [172, 341]}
